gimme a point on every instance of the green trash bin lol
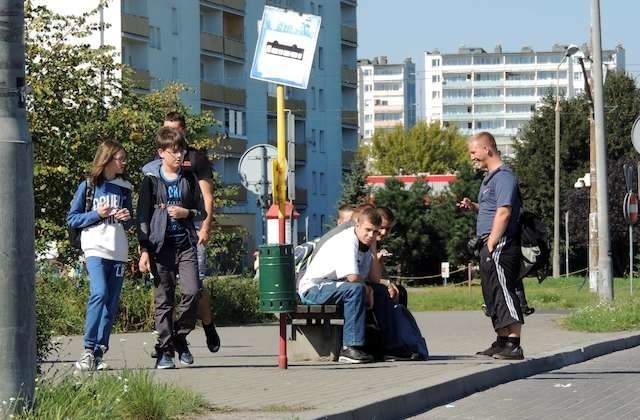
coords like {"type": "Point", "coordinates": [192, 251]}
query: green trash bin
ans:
{"type": "Point", "coordinates": [277, 279]}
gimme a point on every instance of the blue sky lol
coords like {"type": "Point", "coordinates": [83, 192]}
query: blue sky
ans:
{"type": "Point", "coordinates": [407, 28]}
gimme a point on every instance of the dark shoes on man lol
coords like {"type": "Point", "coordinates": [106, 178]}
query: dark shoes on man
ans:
{"type": "Point", "coordinates": [508, 351]}
{"type": "Point", "coordinates": [352, 354]}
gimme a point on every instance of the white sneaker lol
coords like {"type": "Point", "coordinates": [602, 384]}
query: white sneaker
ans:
{"type": "Point", "coordinates": [101, 364]}
{"type": "Point", "coordinates": [86, 361]}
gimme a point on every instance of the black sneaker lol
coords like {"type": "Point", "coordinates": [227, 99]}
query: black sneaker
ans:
{"type": "Point", "coordinates": [493, 349]}
{"type": "Point", "coordinates": [484, 310]}
{"type": "Point", "coordinates": [213, 339]}
{"type": "Point", "coordinates": [510, 351]}
{"type": "Point", "coordinates": [181, 346]}
{"type": "Point", "coordinates": [528, 310]}
{"type": "Point", "coordinates": [350, 354]}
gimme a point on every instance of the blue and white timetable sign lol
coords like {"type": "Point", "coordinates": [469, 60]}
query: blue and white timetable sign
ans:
{"type": "Point", "coordinates": [286, 46]}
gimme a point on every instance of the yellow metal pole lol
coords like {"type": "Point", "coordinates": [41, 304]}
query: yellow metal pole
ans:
{"type": "Point", "coordinates": [281, 193]}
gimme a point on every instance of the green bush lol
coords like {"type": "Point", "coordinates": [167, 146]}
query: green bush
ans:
{"type": "Point", "coordinates": [61, 305]}
{"type": "Point", "coordinates": [235, 301]}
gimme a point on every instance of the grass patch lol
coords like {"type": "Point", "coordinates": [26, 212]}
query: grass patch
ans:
{"type": "Point", "coordinates": [552, 294]}
{"type": "Point", "coordinates": [571, 294]}
{"type": "Point", "coordinates": [128, 395]}
{"type": "Point", "coordinates": [622, 315]}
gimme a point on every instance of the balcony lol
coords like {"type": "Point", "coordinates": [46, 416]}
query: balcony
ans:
{"type": "Point", "coordinates": [350, 117]}
{"type": "Point", "coordinates": [141, 79]}
{"type": "Point", "coordinates": [349, 76]}
{"type": "Point", "coordinates": [235, 96]}
{"type": "Point", "coordinates": [301, 196]}
{"type": "Point", "coordinates": [211, 92]}
{"type": "Point", "coordinates": [298, 107]}
{"type": "Point", "coordinates": [349, 34]}
{"type": "Point", "coordinates": [232, 146]}
{"type": "Point", "coordinates": [135, 25]}
{"type": "Point", "coordinates": [234, 48]}
{"type": "Point", "coordinates": [210, 42]}
{"type": "Point", "coordinates": [348, 156]}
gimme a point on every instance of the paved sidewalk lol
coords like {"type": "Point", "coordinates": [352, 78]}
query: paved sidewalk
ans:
{"type": "Point", "coordinates": [243, 379]}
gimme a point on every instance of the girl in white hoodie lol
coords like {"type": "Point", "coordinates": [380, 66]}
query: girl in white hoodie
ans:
{"type": "Point", "coordinates": [104, 243]}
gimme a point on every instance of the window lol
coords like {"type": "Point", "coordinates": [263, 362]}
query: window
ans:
{"type": "Point", "coordinates": [487, 77]}
{"type": "Point", "coordinates": [313, 139]}
{"type": "Point", "coordinates": [154, 37]}
{"type": "Point", "coordinates": [435, 94]}
{"type": "Point", "coordinates": [320, 14]}
{"type": "Point", "coordinates": [368, 87]}
{"type": "Point", "coordinates": [321, 99]}
{"type": "Point", "coordinates": [549, 58]}
{"type": "Point", "coordinates": [174, 21]}
{"type": "Point", "coordinates": [487, 93]}
{"type": "Point", "coordinates": [521, 92]}
{"type": "Point", "coordinates": [367, 103]}
{"type": "Point", "coordinates": [522, 75]}
{"type": "Point", "coordinates": [487, 59]}
{"type": "Point", "coordinates": [435, 78]}
{"type": "Point", "coordinates": [312, 8]}
{"type": "Point", "coordinates": [314, 184]}
{"type": "Point", "coordinates": [321, 143]}
{"type": "Point", "coordinates": [387, 86]}
{"type": "Point", "coordinates": [313, 97]}
{"type": "Point", "coordinates": [368, 118]}
{"type": "Point", "coordinates": [174, 68]}
{"type": "Point", "coordinates": [388, 116]}
{"type": "Point", "coordinates": [457, 61]}
{"type": "Point", "coordinates": [322, 222]}
{"type": "Point", "coordinates": [323, 184]}
{"type": "Point", "coordinates": [457, 93]}
{"type": "Point", "coordinates": [367, 72]}
{"type": "Point", "coordinates": [435, 62]}
{"type": "Point", "coordinates": [519, 59]}
{"type": "Point", "coordinates": [320, 57]}
{"type": "Point", "coordinates": [387, 70]}
{"type": "Point", "coordinates": [455, 77]}
{"type": "Point", "coordinates": [235, 122]}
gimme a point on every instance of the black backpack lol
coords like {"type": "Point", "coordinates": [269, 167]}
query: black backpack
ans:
{"type": "Point", "coordinates": [534, 244]}
{"type": "Point", "coordinates": [75, 233]}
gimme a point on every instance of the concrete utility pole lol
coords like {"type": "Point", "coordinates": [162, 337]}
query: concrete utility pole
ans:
{"type": "Point", "coordinates": [605, 283]}
{"type": "Point", "coordinates": [17, 305]}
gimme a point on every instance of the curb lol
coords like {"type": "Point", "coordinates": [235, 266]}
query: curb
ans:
{"type": "Point", "coordinates": [421, 400]}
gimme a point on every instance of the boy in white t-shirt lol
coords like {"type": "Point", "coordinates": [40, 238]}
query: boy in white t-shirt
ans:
{"type": "Point", "coordinates": [336, 274]}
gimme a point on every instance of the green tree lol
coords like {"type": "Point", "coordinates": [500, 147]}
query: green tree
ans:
{"type": "Point", "coordinates": [410, 241]}
{"type": "Point", "coordinates": [78, 98]}
{"type": "Point", "coordinates": [535, 157]}
{"type": "Point", "coordinates": [354, 187]}
{"type": "Point", "coordinates": [420, 149]}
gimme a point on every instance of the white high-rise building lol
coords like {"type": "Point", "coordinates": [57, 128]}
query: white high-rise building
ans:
{"type": "Point", "coordinates": [498, 91]}
{"type": "Point", "coordinates": [386, 95]}
{"type": "Point", "coordinates": [209, 46]}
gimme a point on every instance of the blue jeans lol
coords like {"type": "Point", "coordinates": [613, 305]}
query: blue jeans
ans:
{"type": "Point", "coordinates": [352, 296]}
{"type": "Point", "coordinates": [105, 283]}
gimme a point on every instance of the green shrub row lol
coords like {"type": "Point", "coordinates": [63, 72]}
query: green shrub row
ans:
{"type": "Point", "coordinates": [61, 305]}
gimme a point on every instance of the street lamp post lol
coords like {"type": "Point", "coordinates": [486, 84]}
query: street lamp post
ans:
{"type": "Point", "coordinates": [571, 49]}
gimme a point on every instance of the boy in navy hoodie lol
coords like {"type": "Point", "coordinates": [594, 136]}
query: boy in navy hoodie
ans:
{"type": "Point", "coordinates": [169, 204]}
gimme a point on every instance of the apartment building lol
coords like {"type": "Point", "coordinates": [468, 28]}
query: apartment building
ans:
{"type": "Point", "coordinates": [498, 91]}
{"type": "Point", "coordinates": [209, 46]}
{"type": "Point", "coordinates": [386, 95]}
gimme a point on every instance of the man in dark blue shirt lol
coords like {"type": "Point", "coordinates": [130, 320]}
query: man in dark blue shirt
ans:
{"type": "Point", "coordinates": [498, 208]}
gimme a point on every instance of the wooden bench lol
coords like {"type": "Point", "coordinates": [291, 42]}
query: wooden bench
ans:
{"type": "Point", "coordinates": [319, 337]}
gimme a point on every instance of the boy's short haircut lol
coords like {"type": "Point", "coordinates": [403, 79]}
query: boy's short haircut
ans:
{"type": "Point", "coordinates": [170, 139]}
{"type": "Point", "coordinates": [371, 215]}
{"type": "Point", "coordinates": [174, 116]}
{"type": "Point", "coordinates": [386, 214]}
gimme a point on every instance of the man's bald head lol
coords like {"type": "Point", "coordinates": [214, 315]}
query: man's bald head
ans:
{"type": "Point", "coordinates": [486, 139]}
